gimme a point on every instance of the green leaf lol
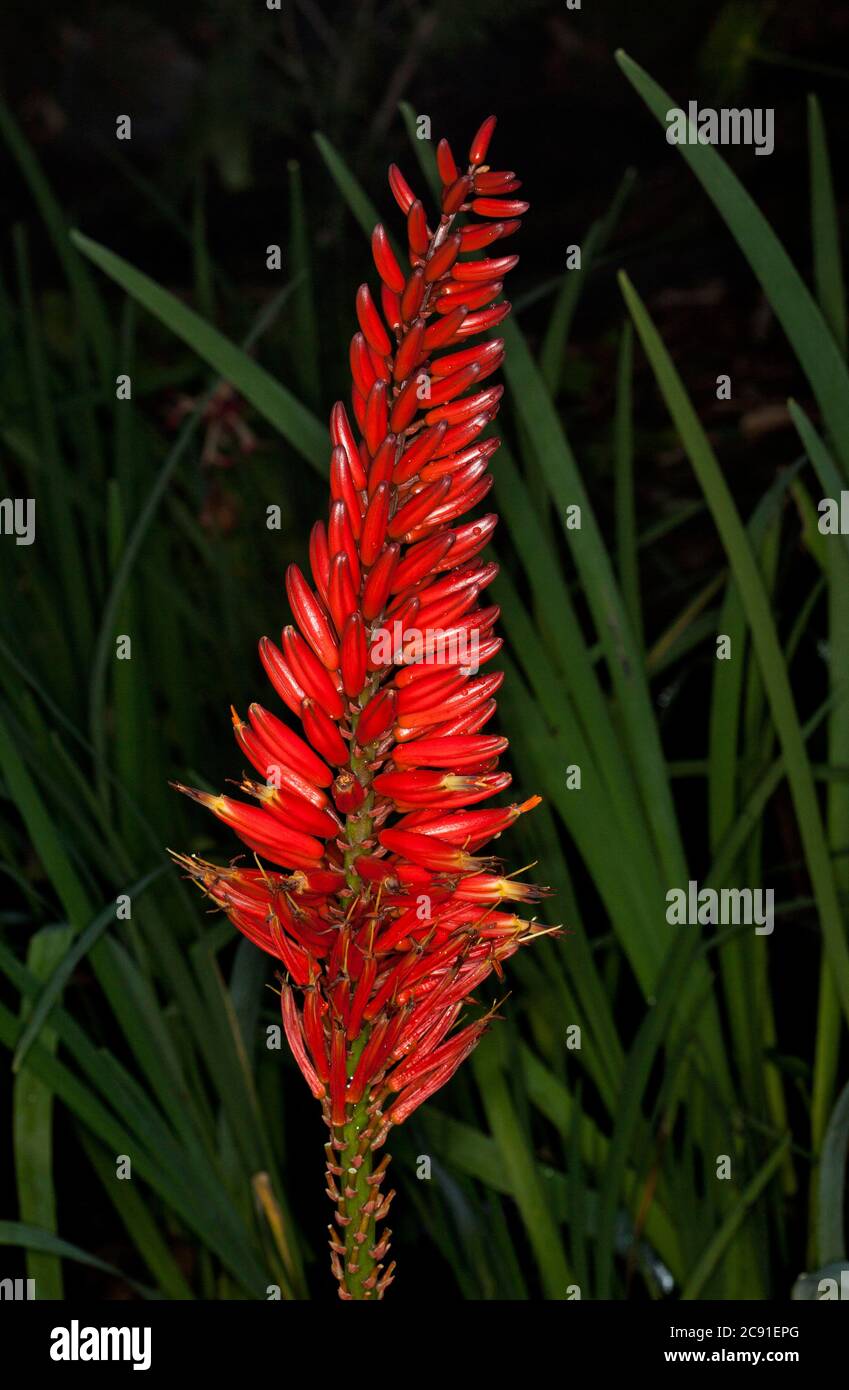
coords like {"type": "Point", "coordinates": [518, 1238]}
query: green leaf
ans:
{"type": "Point", "coordinates": [273, 401]}
{"type": "Point", "coordinates": [794, 305]}
{"type": "Point", "coordinates": [831, 1184]}
{"type": "Point", "coordinates": [825, 229]}
{"type": "Point", "coordinates": [764, 638]}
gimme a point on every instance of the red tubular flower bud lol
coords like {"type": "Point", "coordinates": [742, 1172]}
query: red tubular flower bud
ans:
{"type": "Point", "coordinates": [343, 437]}
{"type": "Point", "coordinates": [499, 207]}
{"type": "Point", "coordinates": [438, 334]}
{"type": "Point", "coordinates": [281, 675]}
{"type": "Point", "coordinates": [390, 303]}
{"type": "Point", "coordinates": [497, 181]}
{"type": "Point", "coordinates": [310, 618]}
{"type": "Point", "coordinates": [377, 717]}
{"type": "Point", "coordinates": [480, 271]}
{"type": "Point", "coordinates": [451, 386]}
{"type": "Point", "coordinates": [287, 747]}
{"type": "Point", "coordinates": [419, 561]}
{"type": "Point", "coordinates": [480, 234]}
{"type": "Point", "coordinates": [353, 655]}
{"type": "Point", "coordinates": [365, 984]}
{"type": "Point", "coordinates": [293, 811]}
{"type": "Point", "coordinates": [342, 603]}
{"type": "Point", "coordinates": [452, 292]}
{"type": "Point", "coordinates": [412, 460]}
{"type": "Point", "coordinates": [480, 145]}
{"type": "Point", "coordinates": [383, 464]}
{"type": "Point", "coordinates": [371, 323]}
{"type": "Point", "coordinates": [401, 190]}
{"type": "Point", "coordinates": [413, 295]}
{"type": "Point", "coordinates": [348, 792]}
{"type": "Point", "coordinates": [457, 752]}
{"type": "Point", "coordinates": [443, 259]}
{"type": "Point", "coordinates": [320, 558]}
{"type": "Point", "coordinates": [341, 540]}
{"type": "Point", "coordinates": [377, 417]}
{"type": "Point", "coordinates": [410, 351]}
{"type": "Point", "coordinates": [430, 854]}
{"type": "Point", "coordinates": [258, 828]}
{"type": "Point", "coordinates": [376, 589]}
{"type": "Point", "coordinates": [374, 526]}
{"type": "Point", "coordinates": [414, 511]}
{"type": "Point", "coordinates": [481, 354]}
{"type": "Point", "coordinates": [309, 672]}
{"type": "Point", "coordinates": [295, 1039]}
{"type": "Point", "coordinates": [338, 1078]}
{"type": "Point", "coordinates": [417, 233]}
{"type": "Point", "coordinates": [361, 365]}
{"type": "Point", "coordinates": [455, 411]}
{"type": "Point", "coordinates": [405, 405]}
{"type": "Point", "coordinates": [483, 319]}
{"type": "Point", "coordinates": [322, 733]}
{"type": "Point", "coordinates": [342, 487]}
{"type": "Point", "coordinates": [454, 197]}
{"type": "Point", "coordinates": [384, 258]}
{"type": "Point", "coordinates": [445, 163]}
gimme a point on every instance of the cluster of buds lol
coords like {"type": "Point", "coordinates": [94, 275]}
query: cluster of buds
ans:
{"type": "Point", "coordinates": [389, 917]}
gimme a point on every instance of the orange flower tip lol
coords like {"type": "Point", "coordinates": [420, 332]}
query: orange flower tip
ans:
{"type": "Point", "coordinates": [205, 798]}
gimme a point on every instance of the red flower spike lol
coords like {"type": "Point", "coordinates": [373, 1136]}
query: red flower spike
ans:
{"type": "Point", "coordinates": [379, 803]}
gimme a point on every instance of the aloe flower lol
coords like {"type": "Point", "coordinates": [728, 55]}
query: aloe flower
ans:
{"type": "Point", "coordinates": [389, 917]}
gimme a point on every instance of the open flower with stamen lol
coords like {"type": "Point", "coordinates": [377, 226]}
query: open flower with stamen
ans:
{"type": "Point", "coordinates": [366, 880]}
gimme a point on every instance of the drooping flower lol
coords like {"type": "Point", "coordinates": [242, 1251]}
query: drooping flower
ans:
{"type": "Point", "coordinates": [389, 917]}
